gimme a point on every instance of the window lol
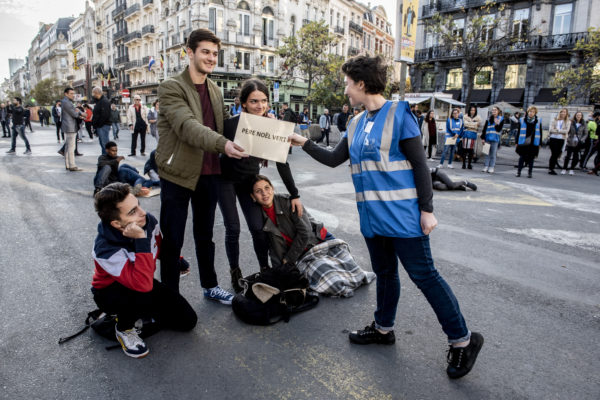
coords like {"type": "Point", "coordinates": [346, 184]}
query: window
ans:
{"type": "Point", "coordinates": [458, 29]}
{"type": "Point", "coordinates": [246, 60]}
{"type": "Point", "coordinates": [487, 31]}
{"type": "Point", "coordinates": [454, 79]}
{"type": "Point", "coordinates": [271, 64]}
{"type": "Point", "coordinates": [520, 23]}
{"type": "Point", "coordinates": [244, 25]}
{"type": "Point", "coordinates": [215, 20]}
{"type": "Point", "coordinates": [293, 25]}
{"type": "Point", "coordinates": [562, 19]}
{"type": "Point", "coordinates": [550, 71]}
{"type": "Point", "coordinates": [330, 17]}
{"type": "Point", "coordinates": [221, 58]}
{"type": "Point", "coordinates": [428, 81]}
{"type": "Point", "coordinates": [63, 62]}
{"type": "Point", "coordinates": [515, 76]}
{"type": "Point", "coordinates": [483, 79]}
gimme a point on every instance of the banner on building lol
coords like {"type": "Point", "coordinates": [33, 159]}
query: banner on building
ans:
{"type": "Point", "coordinates": [264, 137]}
{"type": "Point", "coordinates": [406, 30]}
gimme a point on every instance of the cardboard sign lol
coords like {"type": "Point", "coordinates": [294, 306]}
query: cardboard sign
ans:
{"type": "Point", "coordinates": [264, 137]}
{"type": "Point", "coordinates": [486, 149]}
{"type": "Point", "coordinates": [451, 141]}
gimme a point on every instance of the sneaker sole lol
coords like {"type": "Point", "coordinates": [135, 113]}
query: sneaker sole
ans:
{"type": "Point", "coordinates": [357, 341]}
{"type": "Point", "coordinates": [226, 302]}
{"type": "Point", "coordinates": [141, 355]}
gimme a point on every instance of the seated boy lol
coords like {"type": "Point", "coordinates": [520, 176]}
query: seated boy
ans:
{"type": "Point", "coordinates": [125, 253]}
{"type": "Point", "coordinates": [441, 181]}
{"type": "Point", "coordinates": [109, 172]}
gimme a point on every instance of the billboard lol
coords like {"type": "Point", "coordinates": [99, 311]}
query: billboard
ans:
{"type": "Point", "coordinates": [406, 30]}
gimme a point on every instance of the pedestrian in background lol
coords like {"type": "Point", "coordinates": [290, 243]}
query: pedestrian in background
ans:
{"type": "Point", "coordinates": [304, 122]}
{"type": "Point", "coordinates": [27, 118]}
{"type": "Point", "coordinates": [101, 117]}
{"type": "Point", "coordinates": [454, 129]}
{"type": "Point", "coordinates": [56, 116]}
{"type": "Point", "coordinates": [592, 146]}
{"type": "Point", "coordinates": [4, 120]}
{"type": "Point", "coordinates": [153, 119]}
{"type": "Point", "coordinates": [429, 131]}
{"type": "Point", "coordinates": [137, 119]}
{"type": "Point", "coordinates": [88, 120]}
{"type": "Point", "coordinates": [515, 126]}
{"type": "Point", "coordinates": [325, 124]}
{"type": "Point", "coordinates": [343, 118]}
{"type": "Point", "coordinates": [469, 137]}
{"type": "Point", "coordinates": [41, 116]}
{"type": "Point", "coordinates": [115, 120]}
{"type": "Point", "coordinates": [491, 136]}
{"type": "Point", "coordinates": [70, 116]}
{"type": "Point", "coordinates": [559, 129]}
{"type": "Point", "coordinates": [578, 134]}
{"type": "Point", "coordinates": [528, 143]}
{"type": "Point", "coordinates": [18, 128]}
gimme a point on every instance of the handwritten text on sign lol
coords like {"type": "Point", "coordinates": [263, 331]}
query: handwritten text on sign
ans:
{"type": "Point", "coordinates": [263, 137]}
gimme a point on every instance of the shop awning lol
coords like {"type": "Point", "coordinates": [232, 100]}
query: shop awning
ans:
{"type": "Point", "coordinates": [480, 96]}
{"type": "Point", "coordinates": [546, 95]}
{"type": "Point", "coordinates": [454, 92]}
{"type": "Point", "coordinates": [512, 96]}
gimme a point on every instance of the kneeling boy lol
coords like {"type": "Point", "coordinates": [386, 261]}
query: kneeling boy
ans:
{"type": "Point", "coordinates": [125, 253]}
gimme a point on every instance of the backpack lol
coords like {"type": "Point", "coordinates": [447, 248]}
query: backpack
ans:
{"type": "Point", "coordinates": [273, 295]}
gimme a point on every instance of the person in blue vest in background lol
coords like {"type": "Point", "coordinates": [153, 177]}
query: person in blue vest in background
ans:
{"type": "Point", "coordinates": [528, 142]}
{"type": "Point", "coordinates": [454, 129]}
{"type": "Point", "coordinates": [394, 197]}
{"type": "Point", "coordinates": [304, 122]}
{"type": "Point", "coordinates": [237, 107]}
{"type": "Point", "coordinates": [491, 135]}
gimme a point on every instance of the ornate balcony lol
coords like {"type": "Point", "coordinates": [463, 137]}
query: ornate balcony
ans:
{"type": "Point", "coordinates": [132, 11]}
{"type": "Point", "coordinates": [133, 36]}
{"type": "Point", "coordinates": [119, 10]}
{"type": "Point", "coordinates": [119, 34]}
{"type": "Point", "coordinates": [121, 60]}
{"type": "Point", "coordinates": [77, 43]}
{"type": "Point", "coordinates": [133, 64]}
{"type": "Point", "coordinates": [339, 30]}
{"type": "Point", "coordinates": [355, 27]}
{"type": "Point", "coordinates": [353, 51]}
{"type": "Point", "coordinates": [147, 30]}
{"type": "Point", "coordinates": [147, 3]}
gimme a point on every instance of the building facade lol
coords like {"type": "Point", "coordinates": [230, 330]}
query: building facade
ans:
{"type": "Point", "coordinates": [544, 33]}
{"type": "Point", "coordinates": [81, 54]}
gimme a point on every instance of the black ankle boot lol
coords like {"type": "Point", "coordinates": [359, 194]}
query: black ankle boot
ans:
{"type": "Point", "coordinates": [236, 275]}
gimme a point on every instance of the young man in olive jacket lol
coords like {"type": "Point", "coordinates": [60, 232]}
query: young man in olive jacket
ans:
{"type": "Point", "coordinates": [190, 136]}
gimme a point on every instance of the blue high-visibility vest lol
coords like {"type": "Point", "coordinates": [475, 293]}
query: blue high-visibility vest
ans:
{"type": "Point", "coordinates": [523, 132]}
{"type": "Point", "coordinates": [453, 127]}
{"type": "Point", "coordinates": [386, 195]}
{"type": "Point", "coordinates": [490, 133]}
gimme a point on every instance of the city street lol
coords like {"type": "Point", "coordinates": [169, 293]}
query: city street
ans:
{"type": "Point", "coordinates": [522, 256]}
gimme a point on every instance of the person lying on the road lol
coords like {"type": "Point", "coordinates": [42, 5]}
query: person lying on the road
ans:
{"type": "Point", "coordinates": [109, 171]}
{"type": "Point", "coordinates": [125, 253]}
{"type": "Point", "coordinates": [305, 243]}
{"type": "Point", "coordinates": [441, 181]}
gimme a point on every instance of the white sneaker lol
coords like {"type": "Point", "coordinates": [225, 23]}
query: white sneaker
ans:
{"type": "Point", "coordinates": [440, 166]}
{"type": "Point", "coordinates": [450, 166]}
{"type": "Point", "coordinates": [485, 169]}
{"type": "Point", "coordinates": [563, 172]}
{"type": "Point", "coordinates": [131, 343]}
{"type": "Point", "coordinates": [491, 170]}
{"type": "Point", "coordinates": [571, 172]}
{"type": "Point", "coordinates": [430, 159]}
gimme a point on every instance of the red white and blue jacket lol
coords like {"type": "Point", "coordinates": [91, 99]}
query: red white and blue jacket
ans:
{"type": "Point", "coordinates": [131, 262]}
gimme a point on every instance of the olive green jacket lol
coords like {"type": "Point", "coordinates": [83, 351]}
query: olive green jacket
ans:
{"type": "Point", "coordinates": [183, 138]}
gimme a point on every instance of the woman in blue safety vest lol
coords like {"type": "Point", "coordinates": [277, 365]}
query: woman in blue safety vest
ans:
{"type": "Point", "coordinates": [394, 199]}
{"type": "Point", "coordinates": [528, 142]}
{"type": "Point", "coordinates": [491, 135]}
{"type": "Point", "coordinates": [454, 129]}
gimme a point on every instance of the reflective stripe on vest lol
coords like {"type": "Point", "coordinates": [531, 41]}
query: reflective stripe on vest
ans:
{"type": "Point", "coordinates": [523, 132]}
{"type": "Point", "coordinates": [455, 129]}
{"type": "Point", "coordinates": [490, 134]}
{"type": "Point", "coordinates": [386, 195]}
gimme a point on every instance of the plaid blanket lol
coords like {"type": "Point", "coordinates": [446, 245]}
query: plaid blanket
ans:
{"type": "Point", "coordinates": [331, 270]}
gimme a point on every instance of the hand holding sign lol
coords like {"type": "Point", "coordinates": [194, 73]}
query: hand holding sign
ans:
{"type": "Point", "coordinates": [234, 151]}
{"type": "Point", "coordinates": [264, 137]}
{"type": "Point", "coordinates": [297, 140]}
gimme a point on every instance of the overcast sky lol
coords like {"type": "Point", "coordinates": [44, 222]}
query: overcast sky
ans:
{"type": "Point", "coordinates": [19, 23]}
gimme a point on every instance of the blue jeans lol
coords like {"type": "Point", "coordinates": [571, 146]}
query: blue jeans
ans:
{"type": "Point", "coordinates": [130, 175]}
{"type": "Point", "coordinates": [103, 133]}
{"type": "Point", "coordinates": [19, 130]}
{"type": "Point", "coordinates": [115, 129]}
{"type": "Point", "coordinates": [490, 159]}
{"type": "Point", "coordinates": [415, 256]}
{"type": "Point", "coordinates": [101, 178]}
{"type": "Point", "coordinates": [445, 151]}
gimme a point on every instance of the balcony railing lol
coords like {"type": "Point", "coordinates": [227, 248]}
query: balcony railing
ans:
{"type": "Point", "coordinates": [119, 34]}
{"type": "Point", "coordinates": [147, 3]}
{"type": "Point", "coordinates": [133, 64]}
{"type": "Point", "coordinates": [131, 11]}
{"type": "Point", "coordinates": [145, 61]}
{"type": "Point", "coordinates": [81, 61]}
{"type": "Point", "coordinates": [119, 10]}
{"type": "Point", "coordinates": [133, 36]}
{"type": "Point", "coordinates": [355, 27]}
{"type": "Point", "coordinates": [78, 43]}
{"type": "Point", "coordinates": [148, 29]}
{"type": "Point", "coordinates": [305, 21]}
{"type": "Point", "coordinates": [339, 29]}
{"type": "Point", "coordinates": [536, 43]}
{"type": "Point", "coordinates": [58, 52]}
{"type": "Point", "coordinates": [176, 39]}
{"type": "Point", "coordinates": [121, 60]}
{"type": "Point", "coordinates": [443, 6]}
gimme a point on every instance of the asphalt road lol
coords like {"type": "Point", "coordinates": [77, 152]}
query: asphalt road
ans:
{"type": "Point", "coordinates": [522, 256]}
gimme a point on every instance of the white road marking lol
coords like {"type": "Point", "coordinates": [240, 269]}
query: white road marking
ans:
{"type": "Point", "coordinates": [563, 198]}
{"type": "Point", "coordinates": [582, 240]}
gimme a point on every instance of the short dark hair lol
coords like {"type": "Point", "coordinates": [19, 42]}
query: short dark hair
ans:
{"type": "Point", "coordinates": [201, 35]}
{"type": "Point", "coordinates": [68, 89]}
{"type": "Point", "coordinates": [596, 114]}
{"type": "Point", "coordinates": [285, 104]}
{"type": "Point", "coordinates": [371, 70]}
{"type": "Point", "coordinates": [106, 200]}
{"type": "Point", "coordinates": [249, 86]}
{"type": "Point", "coordinates": [110, 144]}
{"type": "Point", "coordinates": [19, 100]}
{"type": "Point", "coordinates": [255, 179]}
{"type": "Point", "coordinates": [154, 104]}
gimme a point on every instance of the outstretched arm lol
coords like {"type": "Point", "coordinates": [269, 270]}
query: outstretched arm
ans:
{"type": "Point", "coordinates": [331, 158]}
